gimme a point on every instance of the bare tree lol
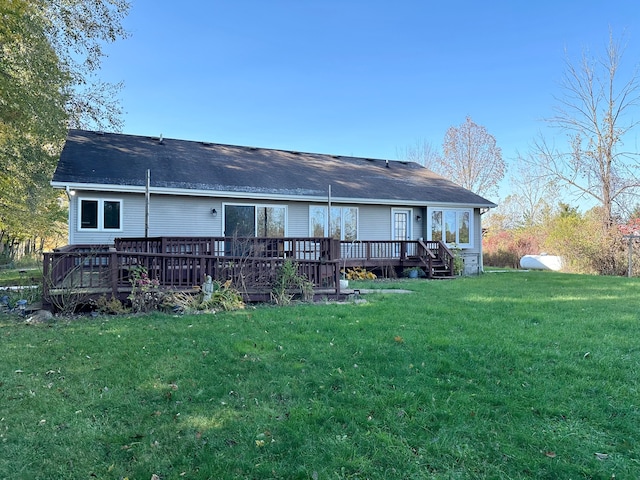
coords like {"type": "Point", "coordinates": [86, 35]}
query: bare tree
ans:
{"type": "Point", "coordinates": [595, 114]}
{"type": "Point", "coordinates": [534, 196]}
{"type": "Point", "coordinates": [423, 153]}
{"type": "Point", "coordinates": [472, 158]}
{"type": "Point", "coordinates": [507, 216]}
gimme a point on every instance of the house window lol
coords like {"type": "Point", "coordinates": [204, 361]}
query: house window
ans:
{"type": "Point", "coordinates": [451, 226]}
{"type": "Point", "coordinates": [255, 220]}
{"type": "Point", "coordinates": [270, 221]}
{"type": "Point", "coordinates": [88, 214]}
{"type": "Point", "coordinates": [317, 221]}
{"type": "Point", "coordinates": [98, 214]}
{"type": "Point", "coordinates": [343, 222]}
{"type": "Point", "coordinates": [111, 214]}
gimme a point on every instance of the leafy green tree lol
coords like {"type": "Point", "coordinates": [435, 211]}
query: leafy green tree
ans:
{"type": "Point", "coordinates": [583, 245]}
{"type": "Point", "coordinates": [78, 30]}
{"type": "Point", "coordinates": [32, 118]}
{"type": "Point", "coordinates": [50, 53]}
{"type": "Point", "coordinates": [31, 81]}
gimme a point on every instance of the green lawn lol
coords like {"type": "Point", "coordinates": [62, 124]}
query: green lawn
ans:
{"type": "Point", "coordinates": [506, 376]}
{"type": "Point", "coordinates": [20, 277]}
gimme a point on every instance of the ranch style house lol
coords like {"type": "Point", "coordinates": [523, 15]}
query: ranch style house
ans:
{"type": "Point", "coordinates": [192, 207]}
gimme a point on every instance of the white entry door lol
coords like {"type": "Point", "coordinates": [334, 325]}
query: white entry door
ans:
{"type": "Point", "coordinates": [401, 227]}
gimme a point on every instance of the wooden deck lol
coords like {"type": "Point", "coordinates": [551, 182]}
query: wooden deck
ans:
{"type": "Point", "coordinates": [250, 263]}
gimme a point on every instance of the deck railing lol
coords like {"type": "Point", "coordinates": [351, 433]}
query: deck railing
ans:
{"type": "Point", "coordinates": [379, 249]}
{"type": "Point", "coordinates": [426, 254]}
{"type": "Point", "coordinates": [182, 263]}
{"type": "Point", "coordinates": [298, 248]}
{"type": "Point", "coordinates": [250, 263]}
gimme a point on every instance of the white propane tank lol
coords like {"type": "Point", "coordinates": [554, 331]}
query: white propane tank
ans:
{"type": "Point", "coordinates": [541, 262]}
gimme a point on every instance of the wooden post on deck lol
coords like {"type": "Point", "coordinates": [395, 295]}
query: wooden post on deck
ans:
{"type": "Point", "coordinates": [146, 205]}
{"type": "Point", "coordinates": [113, 270]}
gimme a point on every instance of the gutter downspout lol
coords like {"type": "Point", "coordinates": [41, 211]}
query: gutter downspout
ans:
{"type": "Point", "coordinates": [481, 255]}
{"type": "Point", "coordinates": [69, 195]}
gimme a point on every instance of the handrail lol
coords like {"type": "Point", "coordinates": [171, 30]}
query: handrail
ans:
{"type": "Point", "coordinates": [447, 256]}
{"type": "Point", "coordinates": [446, 249]}
{"type": "Point", "coordinates": [427, 249]}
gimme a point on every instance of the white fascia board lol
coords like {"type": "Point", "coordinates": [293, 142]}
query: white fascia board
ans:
{"type": "Point", "coordinates": [259, 196]}
{"type": "Point", "coordinates": [460, 205]}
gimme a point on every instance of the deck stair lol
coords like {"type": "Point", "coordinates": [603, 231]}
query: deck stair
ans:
{"type": "Point", "coordinates": [441, 271]}
{"type": "Point", "coordinates": [437, 260]}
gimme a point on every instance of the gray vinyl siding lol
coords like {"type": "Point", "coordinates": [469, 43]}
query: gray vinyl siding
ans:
{"type": "Point", "coordinates": [174, 216]}
{"type": "Point", "coordinates": [130, 226]}
{"type": "Point", "coordinates": [374, 222]}
{"type": "Point", "coordinates": [298, 221]}
{"type": "Point", "coordinates": [168, 216]}
{"type": "Point", "coordinates": [133, 212]}
{"type": "Point", "coordinates": [171, 215]}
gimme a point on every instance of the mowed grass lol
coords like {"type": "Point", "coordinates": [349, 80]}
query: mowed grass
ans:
{"type": "Point", "coordinates": [20, 277]}
{"type": "Point", "coordinates": [505, 376]}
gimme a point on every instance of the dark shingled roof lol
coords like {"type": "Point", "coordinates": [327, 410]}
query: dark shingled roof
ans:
{"type": "Point", "coordinates": [117, 159]}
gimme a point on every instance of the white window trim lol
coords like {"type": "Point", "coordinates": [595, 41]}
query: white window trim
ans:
{"type": "Point", "coordinates": [255, 216]}
{"type": "Point", "coordinates": [326, 220]}
{"type": "Point", "coordinates": [430, 211]}
{"type": "Point", "coordinates": [100, 226]}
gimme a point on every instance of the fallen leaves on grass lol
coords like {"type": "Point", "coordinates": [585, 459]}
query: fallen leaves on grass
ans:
{"type": "Point", "coordinates": [262, 437]}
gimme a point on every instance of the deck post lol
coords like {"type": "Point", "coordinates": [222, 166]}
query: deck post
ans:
{"type": "Point", "coordinates": [46, 278]}
{"type": "Point", "coordinates": [113, 270]}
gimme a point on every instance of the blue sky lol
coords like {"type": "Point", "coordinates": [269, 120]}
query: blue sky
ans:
{"type": "Point", "coordinates": [354, 77]}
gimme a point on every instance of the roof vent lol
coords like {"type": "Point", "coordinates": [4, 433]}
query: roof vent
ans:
{"type": "Point", "coordinates": [161, 140]}
{"type": "Point", "coordinates": [100, 132]}
{"type": "Point", "coordinates": [387, 163]}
